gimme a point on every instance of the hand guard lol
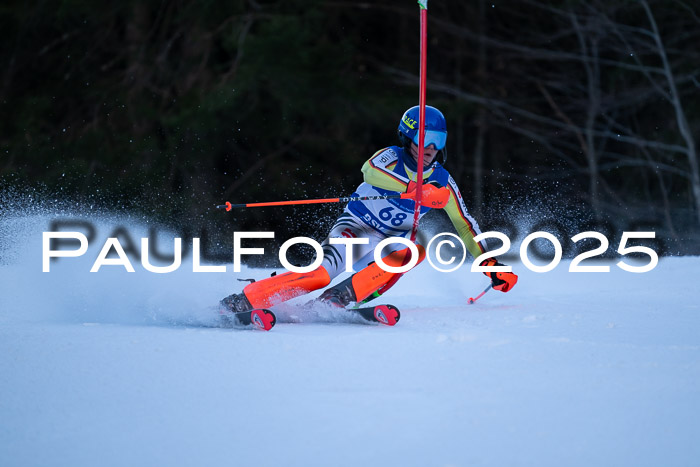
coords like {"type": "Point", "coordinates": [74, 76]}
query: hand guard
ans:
{"type": "Point", "coordinates": [503, 281]}
{"type": "Point", "coordinates": [433, 195]}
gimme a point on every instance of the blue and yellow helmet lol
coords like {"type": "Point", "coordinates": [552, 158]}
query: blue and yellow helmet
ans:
{"type": "Point", "coordinates": [435, 132]}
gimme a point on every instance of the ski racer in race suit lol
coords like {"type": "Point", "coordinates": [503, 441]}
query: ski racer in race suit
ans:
{"type": "Point", "coordinates": [389, 171]}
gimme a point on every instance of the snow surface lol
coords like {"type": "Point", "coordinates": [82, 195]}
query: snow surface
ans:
{"type": "Point", "coordinates": [568, 369]}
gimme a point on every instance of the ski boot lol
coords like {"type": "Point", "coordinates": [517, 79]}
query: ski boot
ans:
{"type": "Point", "coordinates": [339, 296]}
{"type": "Point", "coordinates": [235, 303]}
{"type": "Point", "coordinates": [343, 294]}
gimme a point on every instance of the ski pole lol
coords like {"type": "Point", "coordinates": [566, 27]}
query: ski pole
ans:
{"type": "Point", "coordinates": [228, 206]}
{"type": "Point", "coordinates": [472, 300]}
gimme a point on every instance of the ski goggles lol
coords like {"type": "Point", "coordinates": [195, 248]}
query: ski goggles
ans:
{"type": "Point", "coordinates": [436, 138]}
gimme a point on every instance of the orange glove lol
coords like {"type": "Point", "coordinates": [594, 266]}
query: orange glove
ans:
{"type": "Point", "coordinates": [432, 194]}
{"type": "Point", "coordinates": [503, 281]}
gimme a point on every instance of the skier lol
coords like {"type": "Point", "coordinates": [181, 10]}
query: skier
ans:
{"type": "Point", "coordinates": [389, 171]}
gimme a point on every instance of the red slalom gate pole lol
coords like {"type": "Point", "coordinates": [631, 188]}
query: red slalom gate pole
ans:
{"type": "Point", "coordinates": [421, 141]}
{"type": "Point", "coordinates": [421, 112]}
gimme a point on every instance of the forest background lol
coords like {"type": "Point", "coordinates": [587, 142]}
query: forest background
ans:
{"type": "Point", "coordinates": [576, 115]}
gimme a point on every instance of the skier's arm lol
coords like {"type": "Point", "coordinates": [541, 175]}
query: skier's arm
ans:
{"type": "Point", "coordinates": [378, 171]}
{"type": "Point", "coordinates": [467, 228]}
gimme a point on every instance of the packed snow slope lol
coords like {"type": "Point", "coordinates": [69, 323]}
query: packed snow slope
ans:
{"type": "Point", "coordinates": [568, 369]}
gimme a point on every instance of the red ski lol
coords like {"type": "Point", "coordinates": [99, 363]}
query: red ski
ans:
{"type": "Point", "coordinates": [385, 314]}
{"type": "Point", "coordinates": [261, 318]}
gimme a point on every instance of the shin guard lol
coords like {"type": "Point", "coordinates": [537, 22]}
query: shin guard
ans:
{"type": "Point", "coordinates": [283, 287]}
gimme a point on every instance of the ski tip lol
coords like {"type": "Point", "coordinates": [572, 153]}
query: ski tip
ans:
{"type": "Point", "coordinates": [387, 314]}
{"type": "Point", "coordinates": [263, 319]}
